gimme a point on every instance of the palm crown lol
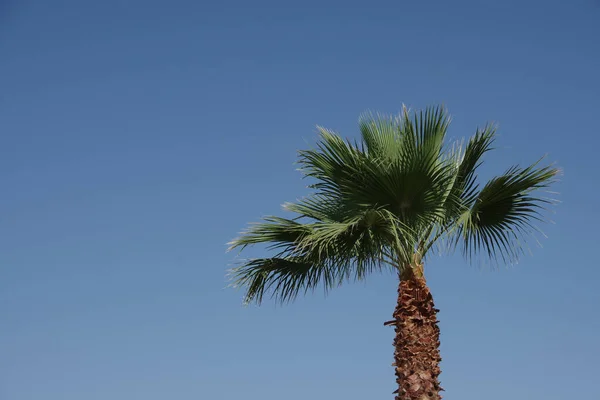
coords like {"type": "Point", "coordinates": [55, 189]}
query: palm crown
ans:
{"type": "Point", "coordinates": [384, 201]}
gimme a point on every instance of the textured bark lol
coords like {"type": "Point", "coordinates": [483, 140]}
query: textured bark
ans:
{"type": "Point", "coordinates": [417, 340]}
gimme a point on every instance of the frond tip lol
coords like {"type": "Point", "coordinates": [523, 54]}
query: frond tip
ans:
{"type": "Point", "coordinates": [285, 277]}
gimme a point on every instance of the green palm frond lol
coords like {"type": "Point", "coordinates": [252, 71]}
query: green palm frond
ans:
{"type": "Point", "coordinates": [371, 230]}
{"type": "Point", "coordinates": [426, 130]}
{"type": "Point", "coordinates": [390, 138]}
{"type": "Point", "coordinates": [410, 184]}
{"type": "Point", "coordinates": [460, 193]}
{"type": "Point", "coordinates": [381, 136]}
{"type": "Point", "coordinates": [284, 277]}
{"type": "Point", "coordinates": [465, 185]}
{"type": "Point", "coordinates": [320, 207]}
{"type": "Point", "coordinates": [276, 232]}
{"type": "Point", "coordinates": [333, 161]}
{"type": "Point", "coordinates": [503, 213]}
{"type": "Point", "coordinates": [326, 253]}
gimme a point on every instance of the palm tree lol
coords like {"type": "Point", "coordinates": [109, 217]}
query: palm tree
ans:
{"type": "Point", "coordinates": [382, 203]}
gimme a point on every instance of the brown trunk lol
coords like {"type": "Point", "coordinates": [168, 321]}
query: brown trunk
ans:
{"type": "Point", "coordinates": [417, 340]}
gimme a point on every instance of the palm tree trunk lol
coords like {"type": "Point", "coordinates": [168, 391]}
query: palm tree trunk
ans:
{"type": "Point", "coordinates": [417, 341]}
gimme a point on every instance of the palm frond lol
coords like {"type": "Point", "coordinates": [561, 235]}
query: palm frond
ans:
{"type": "Point", "coordinates": [410, 184]}
{"type": "Point", "coordinates": [332, 164]}
{"type": "Point", "coordinates": [274, 231]}
{"type": "Point", "coordinates": [322, 207]}
{"type": "Point", "coordinates": [504, 212]}
{"type": "Point", "coordinates": [465, 185]}
{"type": "Point", "coordinates": [425, 131]}
{"type": "Point", "coordinates": [320, 253]}
{"type": "Point", "coordinates": [381, 136]}
{"type": "Point", "coordinates": [460, 193]}
{"type": "Point", "coordinates": [285, 277]}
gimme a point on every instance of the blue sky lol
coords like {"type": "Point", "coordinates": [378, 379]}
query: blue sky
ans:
{"type": "Point", "coordinates": [138, 137]}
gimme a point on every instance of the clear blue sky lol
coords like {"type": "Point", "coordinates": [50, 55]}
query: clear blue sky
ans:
{"type": "Point", "coordinates": [138, 137]}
